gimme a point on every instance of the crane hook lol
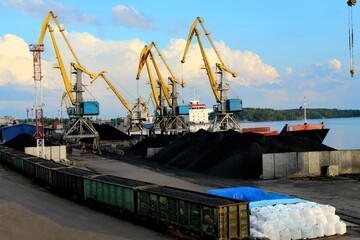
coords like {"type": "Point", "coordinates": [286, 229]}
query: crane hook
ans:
{"type": "Point", "coordinates": [351, 3]}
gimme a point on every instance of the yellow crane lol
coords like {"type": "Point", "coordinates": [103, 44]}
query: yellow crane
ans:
{"type": "Point", "coordinates": [145, 54]}
{"type": "Point", "coordinates": [167, 122]}
{"type": "Point", "coordinates": [221, 66]}
{"type": "Point", "coordinates": [81, 126]}
{"type": "Point", "coordinates": [223, 111]}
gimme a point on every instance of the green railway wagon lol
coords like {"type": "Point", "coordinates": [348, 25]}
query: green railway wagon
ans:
{"type": "Point", "coordinates": [9, 157]}
{"type": "Point", "coordinates": [3, 153]}
{"type": "Point", "coordinates": [195, 214]}
{"type": "Point", "coordinates": [19, 158]}
{"type": "Point", "coordinates": [44, 171]}
{"type": "Point", "coordinates": [69, 182]}
{"type": "Point", "coordinates": [29, 166]}
{"type": "Point", "coordinates": [112, 192]}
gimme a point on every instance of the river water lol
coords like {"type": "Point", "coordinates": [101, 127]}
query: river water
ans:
{"type": "Point", "coordinates": [344, 133]}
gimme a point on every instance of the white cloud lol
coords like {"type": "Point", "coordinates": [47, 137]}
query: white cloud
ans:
{"type": "Point", "coordinates": [129, 17]}
{"type": "Point", "coordinates": [251, 69]}
{"type": "Point", "coordinates": [15, 62]}
{"type": "Point", "coordinates": [334, 64]}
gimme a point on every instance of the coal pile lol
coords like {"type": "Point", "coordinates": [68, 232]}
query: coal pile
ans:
{"type": "Point", "coordinates": [22, 141]}
{"type": "Point", "coordinates": [153, 142]}
{"type": "Point", "coordinates": [230, 153]}
{"type": "Point", "coordinates": [108, 132]}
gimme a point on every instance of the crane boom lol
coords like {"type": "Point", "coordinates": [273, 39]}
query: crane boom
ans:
{"type": "Point", "coordinates": [144, 55]}
{"type": "Point", "coordinates": [61, 30]}
{"type": "Point", "coordinates": [221, 66]}
{"type": "Point", "coordinates": [152, 84]}
{"type": "Point", "coordinates": [112, 87]}
{"type": "Point", "coordinates": [172, 77]}
{"type": "Point", "coordinates": [61, 66]}
{"type": "Point", "coordinates": [164, 87]}
{"type": "Point", "coordinates": [208, 68]}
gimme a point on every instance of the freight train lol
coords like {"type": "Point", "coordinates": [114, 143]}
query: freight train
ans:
{"type": "Point", "coordinates": [181, 212]}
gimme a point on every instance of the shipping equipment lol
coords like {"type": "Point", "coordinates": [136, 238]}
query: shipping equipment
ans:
{"type": "Point", "coordinates": [224, 109]}
{"type": "Point", "coordinates": [169, 119]}
{"type": "Point", "coordinates": [137, 114]}
{"type": "Point", "coordinates": [80, 126]}
{"type": "Point", "coordinates": [351, 3]}
{"type": "Point", "coordinates": [36, 49]}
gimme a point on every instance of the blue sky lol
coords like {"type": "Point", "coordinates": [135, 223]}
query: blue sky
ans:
{"type": "Point", "coordinates": [282, 50]}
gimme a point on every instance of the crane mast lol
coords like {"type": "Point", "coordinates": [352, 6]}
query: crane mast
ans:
{"type": "Point", "coordinates": [38, 105]}
{"type": "Point", "coordinates": [224, 119]}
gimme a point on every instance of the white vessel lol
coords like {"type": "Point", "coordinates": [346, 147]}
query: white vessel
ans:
{"type": "Point", "coordinates": [198, 115]}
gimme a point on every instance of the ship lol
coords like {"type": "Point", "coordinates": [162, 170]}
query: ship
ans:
{"type": "Point", "coordinates": [315, 132]}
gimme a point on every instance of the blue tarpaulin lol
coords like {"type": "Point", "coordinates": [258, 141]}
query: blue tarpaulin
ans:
{"type": "Point", "coordinates": [255, 196]}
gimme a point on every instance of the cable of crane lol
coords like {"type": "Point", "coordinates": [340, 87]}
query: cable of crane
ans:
{"type": "Point", "coordinates": [351, 36]}
{"type": "Point", "coordinates": [182, 81]}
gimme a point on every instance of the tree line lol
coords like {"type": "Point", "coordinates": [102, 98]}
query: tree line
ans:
{"type": "Point", "coordinates": [267, 114]}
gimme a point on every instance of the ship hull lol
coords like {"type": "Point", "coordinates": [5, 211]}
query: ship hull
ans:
{"type": "Point", "coordinates": [317, 135]}
{"type": "Point", "coordinates": [315, 132]}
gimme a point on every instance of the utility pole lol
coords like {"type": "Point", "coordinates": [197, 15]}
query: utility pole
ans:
{"type": "Point", "coordinates": [38, 105]}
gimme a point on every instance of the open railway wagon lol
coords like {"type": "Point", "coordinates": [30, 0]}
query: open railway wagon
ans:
{"type": "Point", "coordinates": [188, 213]}
{"type": "Point", "coordinates": [114, 194]}
{"type": "Point", "coordinates": [44, 171]}
{"type": "Point", "coordinates": [69, 182]}
{"type": "Point", "coordinates": [19, 161]}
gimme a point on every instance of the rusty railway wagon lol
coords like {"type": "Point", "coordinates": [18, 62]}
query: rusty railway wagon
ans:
{"type": "Point", "coordinates": [186, 213]}
{"type": "Point", "coordinates": [195, 214]}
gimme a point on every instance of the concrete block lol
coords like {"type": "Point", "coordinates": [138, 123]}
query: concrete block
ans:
{"type": "Point", "coordinates": [324, 158]}
{"type": "Point", "coordinates": [345, 162]}
{"type": "Point", "coordinates": [303, 164]}
{"type": "Point", "coordinates": [280, 164]}
{"type": "Point", "coordinates": [55, 153]}
{"type": "Point", "coordinates": [332, 171]}
{"type": "Point", "coordinates": [342, 159]}
{"type": "Point", "coordinates": [152, 151]}
{"type": "Point", "coordinates": [335, 157]}
{"type": "Point", "coordinates": [314, 164]}
{"type": "Point", "coordinates": [268, 166]}
{"type": "Point", "coordinates": [47, 153]}
{"type": "Point", "coordinates": [292, 164]}
{"type": "Point", "coordinates": [62, 152]}
{"type": "Point", "coordinates": [355, 162]}
{"type": "Point", "coordinates": [31, 151]}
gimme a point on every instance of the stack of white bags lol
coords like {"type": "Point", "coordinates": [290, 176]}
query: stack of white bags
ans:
{"type": "Point", "coordinates": [303, 220]}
